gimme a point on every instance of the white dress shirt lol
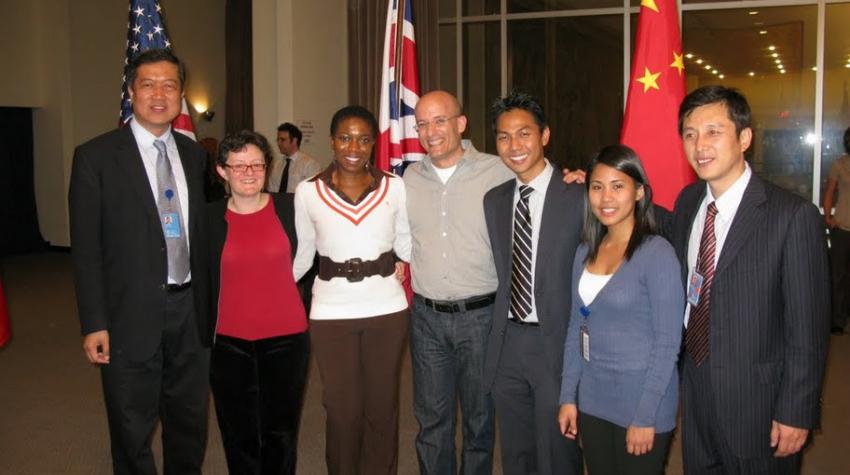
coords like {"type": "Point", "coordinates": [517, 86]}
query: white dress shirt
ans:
{"type": "Point", "coordinates": [144, 140]}
{"type": "Point", "coordinates": [536, 199]}
{"type": "Point", "coordinates": [727, 206]}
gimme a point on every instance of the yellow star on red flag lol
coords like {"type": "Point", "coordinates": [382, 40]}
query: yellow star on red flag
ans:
{"type": "Point", "coordinates": [649, 80]}
{"type": "Point", "coordinates": [678, 62]}
{"type": "Point", "coordinates": [649, 4]}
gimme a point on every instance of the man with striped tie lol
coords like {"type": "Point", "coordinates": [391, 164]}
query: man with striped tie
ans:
{"type": "Point", "coordinates": [757, 320]}
{"type": "Point", "coordinates": [534, 222]}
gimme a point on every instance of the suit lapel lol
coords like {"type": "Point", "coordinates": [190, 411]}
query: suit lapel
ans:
{"type": "Point", "coordinates": [748, 217]}
{"type": "Point", "coordinates": [130, 160]}
{"type": "Point", "coordinates": [548, 219]}
{"type": "Point", "coordinates": [505, 225]}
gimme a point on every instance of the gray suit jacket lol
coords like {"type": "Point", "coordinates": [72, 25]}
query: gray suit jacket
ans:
{"type": "Point", "coordinates": [559, 236]}
{"type": "Point", "coordinates": [769, 320]}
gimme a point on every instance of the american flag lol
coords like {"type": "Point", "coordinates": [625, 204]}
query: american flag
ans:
{"type": "Point", "coordinates": [398, 144]}
{"type": "Point", "coordinates": [145, 30]}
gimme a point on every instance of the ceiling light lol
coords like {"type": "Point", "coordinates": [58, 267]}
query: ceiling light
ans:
{"type": "Point", "coordinates": [751, 73]}
{"type": "Point", "coordinates": [689, 55]}
{"type": "Point", "coordinates": [713, 71]}
{"type": "Point", "coordinates": [847, 65]}
{"type": "Point", "coordinates": [777, 61]}
{"type": "Point", "coordinates": [707, 67]}
{"type": "Point", "coordinates": [771, 47]}
{"type": "Point", "coordinates": [721, 76]}
{"type": "Point", "coordinates": [699, 61]}
{"type": "Point", "coordinates": [781, 71]}
{"type": "Point", "coordinates": [762, 32]}
{"type": "Point", "coordinates": [775, 55]}
{"type": "Point", "coordinates": [814, 68]}
{"type": "Point", "coordinates": [753, 12]}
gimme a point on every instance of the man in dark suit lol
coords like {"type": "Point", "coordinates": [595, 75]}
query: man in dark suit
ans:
{"type": "Point", "coordinates": [757, 322]}
{"type": "Point", "coordinates": [138, 246]}
{"type": "Point", "coordinates": [534, 223]}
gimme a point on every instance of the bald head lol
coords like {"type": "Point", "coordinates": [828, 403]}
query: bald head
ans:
{"type": "Point", "coordinates": [440, 124]}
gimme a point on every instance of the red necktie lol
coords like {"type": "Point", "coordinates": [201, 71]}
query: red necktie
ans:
{"type": "Point", "coordinates": [697, 334]}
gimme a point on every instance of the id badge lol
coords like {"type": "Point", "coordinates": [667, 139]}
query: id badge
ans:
{"type": "Point", "coordinates": [585, 343]}
{"type": "Point", "coordinates": [171, 225]}
{"type": "Point", "coordinates": [695, 287]}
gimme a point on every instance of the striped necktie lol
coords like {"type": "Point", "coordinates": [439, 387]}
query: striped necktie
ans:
{"type": "Point", "coordinates": [697, 334]}
{"type": "Point", "coordinates": [521, 277]}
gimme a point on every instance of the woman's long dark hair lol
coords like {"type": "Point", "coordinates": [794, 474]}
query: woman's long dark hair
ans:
{"type": "Point", "coordinates": [624, 160]}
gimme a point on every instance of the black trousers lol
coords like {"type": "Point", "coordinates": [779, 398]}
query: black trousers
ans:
{"type": "Point", "coordinates": [526, 393]}
{"type": "Point", "coordinates": [704, 447]}
{"type": "Point", "coordinates": [839, 263]}
{"type": "Point", "coordinates": [604, 446]}
{"type": "Point", "coordinates": [258, 388]}
{"type": "Point", "coordinates": [171, 386]}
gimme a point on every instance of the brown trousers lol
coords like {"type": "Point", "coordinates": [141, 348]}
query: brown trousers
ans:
{"type": "Point", "coordinates": [360, 363]}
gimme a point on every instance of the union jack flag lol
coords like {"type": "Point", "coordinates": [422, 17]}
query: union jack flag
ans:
{"type": "Point", "coordinates": [145, 30]}
{"type": "Point", "coordinates": [398, 144]}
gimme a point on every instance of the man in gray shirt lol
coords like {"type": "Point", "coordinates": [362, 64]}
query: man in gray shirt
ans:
{"type": "Point", "coordinates": [454, 281]}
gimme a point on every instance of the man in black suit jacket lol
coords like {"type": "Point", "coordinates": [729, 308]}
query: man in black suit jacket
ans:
{"type": "Point", "coordinates": [146, 329]}
{"type": "Point", "coordinates": [526, 343]}
{"type": "Point", "coordinates": [751, 395]}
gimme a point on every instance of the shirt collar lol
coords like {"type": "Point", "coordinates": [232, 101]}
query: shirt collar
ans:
{"type": "Point", "coordinates": [326, 176]}
{"type": "Point", "coordinates": [728, 202]}
{"type": "Point", "coordinates": [541, 182]}
{"type": "Point", "coordinates": [468, 151]}
{"type": "Point", "coordinates": [145, 138]}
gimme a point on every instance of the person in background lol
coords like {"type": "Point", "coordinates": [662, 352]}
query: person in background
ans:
{"type": "Point", "coordinates": [355, 217]}
{"type": "Point", "coordinates": [839, 234]}
{"type": "Point", "coordinates": [261, 349]}
{"type": "Point", "coordinates": [619, 390]}
{"type": "Point", "coordinates": [293, 165]}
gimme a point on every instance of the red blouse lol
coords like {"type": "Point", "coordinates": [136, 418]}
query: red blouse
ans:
{"type": "Point", "coordinates": [258, 297]}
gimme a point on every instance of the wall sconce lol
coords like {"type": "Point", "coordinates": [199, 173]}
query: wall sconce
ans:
{"type": "Point", "coordinates": [203, 112]}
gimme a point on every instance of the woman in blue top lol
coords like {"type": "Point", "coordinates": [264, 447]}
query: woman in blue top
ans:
{"type": "Point", "coordinates": [619, 385]}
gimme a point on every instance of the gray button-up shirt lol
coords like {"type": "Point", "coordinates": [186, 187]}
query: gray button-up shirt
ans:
{"type": "Point", "coordinates": [451, 257]}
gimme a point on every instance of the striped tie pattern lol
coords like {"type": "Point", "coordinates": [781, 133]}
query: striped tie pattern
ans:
{"type": "Point", "coordinates": [697, 335]}
{"type": "Point", "coordinates": [521, 277]}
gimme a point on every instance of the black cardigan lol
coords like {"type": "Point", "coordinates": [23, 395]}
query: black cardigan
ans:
{"type": "Point", "coordinates": [217, 232]}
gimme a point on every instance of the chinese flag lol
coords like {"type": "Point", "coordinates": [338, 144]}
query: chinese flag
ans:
{"type": "Point", "coordinates": [656, 89]}
{"type": "Point", "coordinates": [5, 326]}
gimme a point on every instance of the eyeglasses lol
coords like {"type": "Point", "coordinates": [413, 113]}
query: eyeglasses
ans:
{"type": "Point", "coordinates": [242, 167]}
{"type": "Point", "coordinates": [439, 122]}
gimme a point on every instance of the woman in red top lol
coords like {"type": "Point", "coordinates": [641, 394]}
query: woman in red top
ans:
{"type": "Point", "coordinates": [261, 349]}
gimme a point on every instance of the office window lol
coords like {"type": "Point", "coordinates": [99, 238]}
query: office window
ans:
{"type": "Point", "coordinates": [523, 6]}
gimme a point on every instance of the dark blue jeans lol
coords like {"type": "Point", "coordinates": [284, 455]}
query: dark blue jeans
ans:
{"type": "Point", "coordinates": [447, 350]}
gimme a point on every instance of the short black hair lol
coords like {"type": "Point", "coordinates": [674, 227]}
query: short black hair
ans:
{"type": "Point", "coordinates": [735, 102]}
{"type": "Point", "coordinates": [293, 131]}
{"type": "Point", "coordinates": [519, 100]}
{"type": "Point", "coordinates": [847, 141]}
{"type": "Point", "coordinates": [153, 56]}
{"type": "Point", "coordinates": [237, 141]}
{"type": "Point", "coordinates": [359, 112]}
{"type": "Point", "coordinates": [625, 160]}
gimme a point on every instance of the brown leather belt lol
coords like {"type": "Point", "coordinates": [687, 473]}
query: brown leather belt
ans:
{"type": "Point", "coordinates": [356, 269]}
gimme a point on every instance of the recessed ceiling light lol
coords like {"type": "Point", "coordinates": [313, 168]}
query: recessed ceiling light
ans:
{"type": "Point", "coordinates": [775, 55]}
{"type": "Point", "coordinates": [699, 61]}
{"type": "Point", "coordinates": [689, 55]}
{"type": "Point", "coordinates": [777, 61]}
{"type": "Point", "coordinates": [707, 67]}
{"type": "Point", "coordinates": [780, 66]}
{"type": "Point", "coordinates": [762, 32]}
{"type": "Point", "coordinates": [751, 73]}
{"type": "Point", "coordinates": [847, 65]}
{"type": "Point", "coordinates": [721, 76]}
{"type": "Point", "coordinates": [753, 12]}
{"type": "Point", "coordinates": [713, 71]}
{"type": "Point", "coordinates": [814, 68]}
{"type": "Point", "coordinates": [771, 47]}
{"type": "Point", "coordinates": [782, 71]}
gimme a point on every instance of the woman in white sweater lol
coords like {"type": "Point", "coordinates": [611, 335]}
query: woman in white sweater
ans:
{"type": "Point", "coordinates": [355, 217]}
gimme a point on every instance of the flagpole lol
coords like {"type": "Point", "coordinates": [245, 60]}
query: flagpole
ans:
{"type": "Point", "coordinates": [399, 41]}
